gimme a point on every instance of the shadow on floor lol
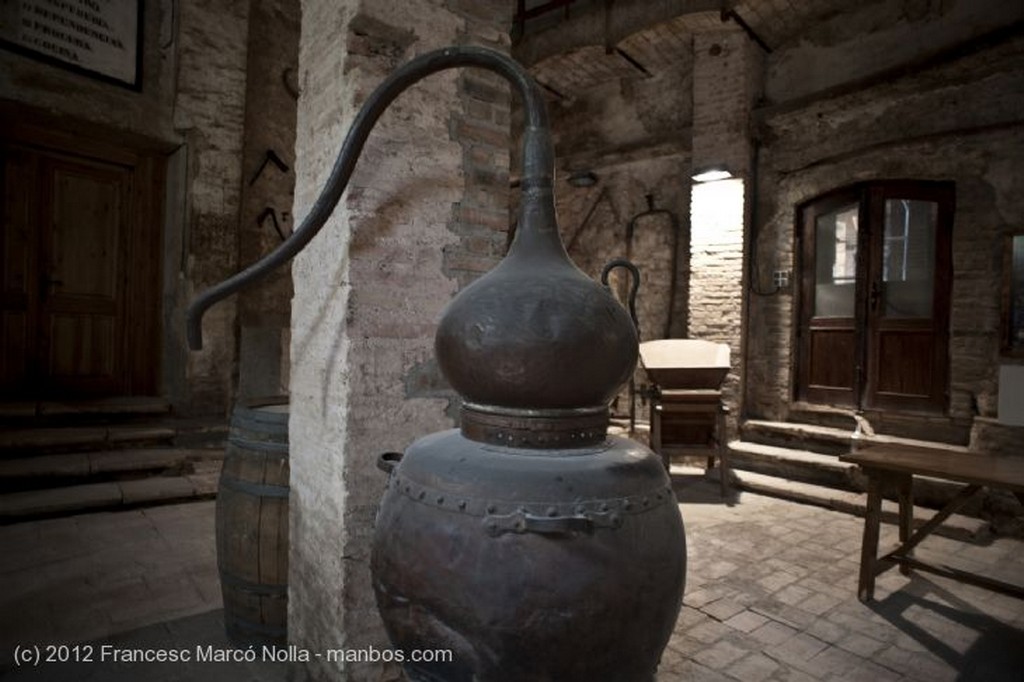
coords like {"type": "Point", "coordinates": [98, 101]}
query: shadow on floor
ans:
{"type": "Point", "coordinates": [939, 621]}
{"type": "Point", "coordinates": [696, 486]}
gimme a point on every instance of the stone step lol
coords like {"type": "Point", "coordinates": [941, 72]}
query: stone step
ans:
{"type": "Point", "coordinates": [956, 526]}
{"type": "Point", "coordinates": [185, 433]}
{"type": "Point", "coordinates": [111, 495]}
{"type": "Point", "coordinates": [48, 471]}
{"type": "Point", "coordinates": [826, 440]}
{"type": "Point", "coordinates": [795, 464]}
{"type": "Point", "coordinates": [120, 408]}
{"type": "Point", "coordinates": [26, 442]}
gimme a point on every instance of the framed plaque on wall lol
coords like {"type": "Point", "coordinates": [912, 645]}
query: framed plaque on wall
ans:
{"type": "Point", "coordinates": [99, 38]}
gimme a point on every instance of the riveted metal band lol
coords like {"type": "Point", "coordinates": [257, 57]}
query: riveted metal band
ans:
{"type": "Point", "coordinates": [514, 516]}
{"type": "Point", "coordinates": [537, 429]}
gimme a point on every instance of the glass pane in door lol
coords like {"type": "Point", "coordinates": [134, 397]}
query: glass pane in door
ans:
{"type": "Point", "coordinates": [908, 258]}
{"type": "Point", "coordinates": [835, 262]}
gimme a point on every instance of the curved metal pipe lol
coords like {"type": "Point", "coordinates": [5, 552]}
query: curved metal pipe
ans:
{"type": "Point", "coordinates": [674, 223]}
{"type": "Point", "coordinates": [537, 171]}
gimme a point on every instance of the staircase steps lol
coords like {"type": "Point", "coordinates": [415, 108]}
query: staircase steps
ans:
{"type": "Point", "coordinates": [800, 461]}
{"type": "Point", "coordinates": [957, 526]}
{"type": "Point", "coordinates": [825, 440]}
{"type": "Point", "coordinates": [84, 497]}
{"type": "Point", "coordinates": [63, 458]}
{"type": "Point", "coordinates": [796, 465]}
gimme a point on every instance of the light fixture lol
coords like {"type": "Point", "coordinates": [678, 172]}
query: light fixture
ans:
{"type": "Point", "coordinates": [711, 174]}
{"type": "Point", "coordinates": [582, 179]}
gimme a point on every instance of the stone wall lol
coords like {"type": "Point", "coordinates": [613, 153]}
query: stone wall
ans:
{"type": "Point", "coordinates": [955, 115]}
{"type": "Point", "coordinates": [644, 135]}
{"type": "Point", "coordinates": [209, 114]}
{"type": "Point", "coordinates": [726, 84]}
{"type": "Point", "coordinates": [633, 135]}
{"type": "Point", "coordinates": [424, 215]}
{"type": "Point", "coordinates": [268, 183]}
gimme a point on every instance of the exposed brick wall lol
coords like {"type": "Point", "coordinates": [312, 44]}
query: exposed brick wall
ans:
{"type": "Point", "coordinates": [726, 84]}
{"type": "Point", "coordinates": [422, 217]}
{"type": "Point", "coordinates": [958, 120]}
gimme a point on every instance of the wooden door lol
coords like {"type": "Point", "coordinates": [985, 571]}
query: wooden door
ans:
{"type": "Point", "coordinates": [67, 222]}
{"type": "Point", "coordinates": [874, 299]}
{"type": "Point", "coordinates": [907, 306]}
{"type": "Point", "coordinates": [831, 338]}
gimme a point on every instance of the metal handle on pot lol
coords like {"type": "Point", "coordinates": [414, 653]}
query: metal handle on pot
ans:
{"type": "Point", "coordinates": [387, 461]}
{"type": "Point", "coordinates": [634, 271]}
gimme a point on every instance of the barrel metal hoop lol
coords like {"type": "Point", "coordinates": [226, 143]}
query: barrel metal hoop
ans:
{"type": "Point", "coordinates": [258, 445]}
{"type": "Point", "coordinates": [257, 489]}
{"type": "Point", "coordinates": [261, 589]}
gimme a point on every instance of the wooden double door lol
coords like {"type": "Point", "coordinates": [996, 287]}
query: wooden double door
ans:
{"type": "Point", "coordinates": [80, 269]}
{"type": "Point", "coordinates": [875, 268]}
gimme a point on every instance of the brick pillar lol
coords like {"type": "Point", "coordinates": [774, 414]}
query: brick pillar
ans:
{"type": "Point", "coordinates": [422, 217]}
{"type": "Point", "coordinates": [726, 79]}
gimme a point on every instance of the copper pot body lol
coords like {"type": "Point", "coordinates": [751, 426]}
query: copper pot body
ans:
{"type": "Point", "coordinates": [527, 564]}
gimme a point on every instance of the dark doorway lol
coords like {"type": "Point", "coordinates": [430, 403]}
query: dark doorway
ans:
{"type": "Point", "coordinates": [80, 267]}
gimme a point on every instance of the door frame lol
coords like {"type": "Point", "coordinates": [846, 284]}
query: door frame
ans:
{"type": "Point", "coordinates": [864, 328]}
{"type": "Point", "coordinates": [26, 128]}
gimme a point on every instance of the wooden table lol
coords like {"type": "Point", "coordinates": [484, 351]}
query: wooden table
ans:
{"type": "Point", "coordinates": [894, 466]}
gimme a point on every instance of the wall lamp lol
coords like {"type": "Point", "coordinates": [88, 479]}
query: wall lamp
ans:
{"type": "Point", "coordinates": [711, 174]}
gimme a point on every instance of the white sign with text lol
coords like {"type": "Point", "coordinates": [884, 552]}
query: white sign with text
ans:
{"type": "Point", "coordinates": [98, 36]}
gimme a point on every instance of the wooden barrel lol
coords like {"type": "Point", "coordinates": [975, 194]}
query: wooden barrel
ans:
{"type": "Point", "coordinates": [252, 524]}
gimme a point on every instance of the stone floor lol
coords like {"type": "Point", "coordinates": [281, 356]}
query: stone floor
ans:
{"type": "Point", "coordinates": [770, 595]}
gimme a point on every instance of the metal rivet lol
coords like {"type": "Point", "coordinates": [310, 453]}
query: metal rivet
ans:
{"type": "Point", "coordinates": [580, 509]}
{"type": "Point", "coordinates": [462, 504]}
{"type": "Point", "coordinates": [627, 505]}
{"type": "Point", "coordinates": [491, 509]}
{"type": "Point", "coordinates": [422, 494]}
{"type": "Point", "coordinates": [552, 511]}
{"type": "Point", "coordinates": [408, 488]}
{"type": "Point", "coordinates": [440, 500]}
{"type": "Point", "coordinates": [645, 502]}
{"type": "Point", "coordinates": [604, 507]}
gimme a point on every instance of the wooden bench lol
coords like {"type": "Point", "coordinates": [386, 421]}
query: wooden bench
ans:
{"type": "Point", "coordinates": [894, 467]}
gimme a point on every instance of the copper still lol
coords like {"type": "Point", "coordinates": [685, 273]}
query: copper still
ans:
{"type": "Point", "coordinates": [529, 542]}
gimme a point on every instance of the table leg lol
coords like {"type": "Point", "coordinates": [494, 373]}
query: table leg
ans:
{"type": "Point", "coordinates": [656, 434]}
{"type": "Point", "coordinates": [869, 544]}
{"type": "Point", "coordinates": [905, 494]}
{"type": "Point", "coordinates": [723, 453]}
